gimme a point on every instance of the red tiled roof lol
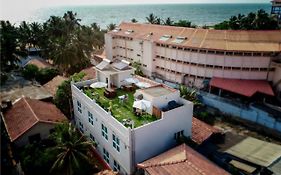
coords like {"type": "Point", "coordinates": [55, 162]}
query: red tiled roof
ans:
{"type": "Point", "coordinates": [181, 160]}
{"type": "Point", "coordinates": [27, 112]}
{"type": "Point", "coordinates": [201, 131]}
{"type": "Point", "coordinates": [243, 87]}
{"type": "Point", "coordinates": [52, 85]}
{"type": "Point", "coordinates": [90, 73]}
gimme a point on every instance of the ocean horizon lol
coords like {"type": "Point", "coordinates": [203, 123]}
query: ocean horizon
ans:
{"type": "Point", "coordinates": [199, 14]}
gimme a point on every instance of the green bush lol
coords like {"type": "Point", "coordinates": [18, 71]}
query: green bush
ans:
{"type": "Point", "coordinates": [30, 71]}
{"type": "Point", "coordinates": [46, 74]}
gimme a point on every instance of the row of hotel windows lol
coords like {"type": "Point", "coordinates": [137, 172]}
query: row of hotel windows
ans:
{"type": "Point", "coordinates": [215, 66]}
{"type": "Point", "coordinates": [122, 48]}
{"type": "Point", "coordinates": [176, 72]}
{"type": "Point", "coordinates": [104, 131]}
{"type": "Point", "coordinates": [121, 56]}
{"type": "Point", "coordinates": [265, 54]}
{"type": "Point", "coordinates": [122, 37]}
{"type": "Point", "coordinates": [131, 59]}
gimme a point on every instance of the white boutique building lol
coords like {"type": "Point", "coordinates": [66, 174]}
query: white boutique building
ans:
{"type": "Point", "coordinates": [194, 56]}
{"type": "Point", "coordinates": [127, 135]}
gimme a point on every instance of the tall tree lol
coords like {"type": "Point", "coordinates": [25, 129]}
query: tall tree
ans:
{"type": "Point", "coordinates": [111, 26]}
{"type": "Point", "coordinates": [134, 20]}
{"type": "Point", "coordinates": [152, 19]}
{"type": "Point", "coordinates": [8, 35]}
{"type": "Point", "coordinates": [168, 22]}
{"type": "Point", "coordinates": [71, 149]}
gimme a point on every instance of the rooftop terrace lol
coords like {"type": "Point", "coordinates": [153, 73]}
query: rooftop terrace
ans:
{"type": "Point", "coordinates": [122, 111]}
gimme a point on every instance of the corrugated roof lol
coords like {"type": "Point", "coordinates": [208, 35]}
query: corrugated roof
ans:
{"type": "Point", "coordinates": [256, 151]}
{"type": "Point", "coordinates": [103, 64]}
{"type": "Point", "coordinates": [27, 112]}
{"type": "Point", "coordinates": [276, 167]}
{"type": "Point", "coordinates": [181, 160]}
{"type": "Point", "coordinates": [242, 166]}
{"type": "Point", "coordinates": [229, 40]}
{"type": "Point", "coordinates": [243, 87]}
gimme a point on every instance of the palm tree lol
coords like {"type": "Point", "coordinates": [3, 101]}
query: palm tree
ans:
{"type": "Point", "coordinates": [183, 23]}
{"type": "Point", "coordinates": [152, 19]}
{"type": "Point", "coordinates": [24, 35]}
{"type": "Point", "coordinates": [168, 22]}
{"type": "Point", "coordinates": [189, 94]}
{"type": "Point", "coordinates": [111, 26]}
{"type": "Point", "coordinates": [8, 36]}
{"type": "Point", "coordinates": [71, 21]}
{"type": "Point", "coordinates": [134, 20]}
{"type": "Point", "coordinates": [36, 32]}
{"type": "Point", "coordinates": [70, 150]}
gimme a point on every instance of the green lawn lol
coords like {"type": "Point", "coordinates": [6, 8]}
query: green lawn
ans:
{"type": "Point", "coordinates": [119, 110]}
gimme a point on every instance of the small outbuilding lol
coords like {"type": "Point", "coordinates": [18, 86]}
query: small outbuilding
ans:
{"type": "Point", "coordinates": [30, 120]}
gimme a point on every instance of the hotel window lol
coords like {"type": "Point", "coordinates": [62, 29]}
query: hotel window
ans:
{"type": "Point", "coordinates": [263, 69]}
{"type": "Point", "coordinates": [81, 127]}
{"type": "Point", "coordinates": [229, 53]}
{"type": "Point", "coordinates": [255, 69]}
{"type": "Point", "coordinates": [79, 106]}
{"type": "Point", "coordinates": [258, 54]}
{"type": "Point", "coordinates": [247, 54]}
{"type": "Point", "coordinates": [194, 50]}
{"type": "Point", "coordinates": [203, 51]}
{"type": "Point", "coordinates": [105, 155]}
{"type": "Point", "coordinates": [211, 52]}
{"type": "Point", "coordinates": [91, 118]}
{"type": "Point", "coordinates": [238, 53]}
{"type": "Point", "coordinates": [245, 68]}
{"type": "Point", "coordinates": [104, 132]}
{"type": "Point", "coordinates": [138, 55]}
{"type": "Point", "coordinates": [236, 68]}
{"type": "Point", "coordinates": [219, 52]}
{"type": "Point", "coordinates": [116, 166]}
{"type": "Point", "coordinates": [178, 135]}
{"type": "Point", "coordinates": [116, 142]}
{"type": "Point", "coordinates": [92, 138]}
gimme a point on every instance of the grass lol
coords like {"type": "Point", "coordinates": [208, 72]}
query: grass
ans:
{"type": "Point", "coordinates": [120, 110]}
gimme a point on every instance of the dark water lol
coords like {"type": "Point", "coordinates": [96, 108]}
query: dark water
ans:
{"type": "Point", "coordinates": [199, 14]}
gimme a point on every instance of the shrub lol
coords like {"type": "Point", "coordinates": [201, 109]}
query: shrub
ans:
{"type": "Point", "coordinates": [46, 74]}
{"type": "Point", "coordinates": [30, 71]}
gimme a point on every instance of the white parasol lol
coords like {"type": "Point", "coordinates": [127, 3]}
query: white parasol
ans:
{"type": "Point", "coordinates": [98, 85]}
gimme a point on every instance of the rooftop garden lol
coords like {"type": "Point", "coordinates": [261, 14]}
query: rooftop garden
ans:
{"type": "Point", "coordinates": [122, 110]}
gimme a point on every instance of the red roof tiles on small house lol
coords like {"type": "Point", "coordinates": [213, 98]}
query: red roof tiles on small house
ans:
{"type": "Point", "coordinates": [243, 87]}
{"type": "Point", "coordinates": [181, 160]}
{"type": "Point", "coordinates": [53, 85]}
{"type": "Point", "coordinates": [201, 131]}
{"type": "Point", "coordinates": [26, 113]}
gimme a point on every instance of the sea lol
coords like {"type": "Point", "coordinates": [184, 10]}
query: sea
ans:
{"type": "Point", "coordinates": [199, 14]}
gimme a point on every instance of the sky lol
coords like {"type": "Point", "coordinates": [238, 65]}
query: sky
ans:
{"type": "Point", "coordinates": [21, 7]}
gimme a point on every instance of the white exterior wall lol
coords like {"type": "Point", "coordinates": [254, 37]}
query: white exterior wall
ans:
{"type": "Point", "coordinates": [40, 128]}
{"type": "Point", "coordinates": [135, 144]}
{"type": "Point", "coordinates": [109, 43]}
{"type": "Point", "coordinates": [102, 117]}
{"type": "Point", "coordinates": [157, 137]}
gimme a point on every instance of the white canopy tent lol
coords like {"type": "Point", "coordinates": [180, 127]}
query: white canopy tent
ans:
{"type": "Point", "coordinates": [142, 104]}
{"type": "Point", "coordinates": [98, 85]}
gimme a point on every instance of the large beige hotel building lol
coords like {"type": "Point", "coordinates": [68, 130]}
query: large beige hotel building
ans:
{"type": "Point", "coordinates": [193, 56]}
